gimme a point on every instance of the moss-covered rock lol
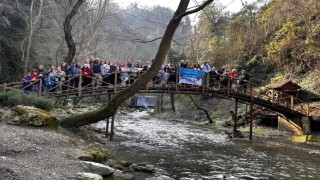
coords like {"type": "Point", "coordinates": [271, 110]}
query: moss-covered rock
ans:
{"type": "Point", "coordinates": [31, 116]}
{"type": "Point", "coordinates": [96, 156]}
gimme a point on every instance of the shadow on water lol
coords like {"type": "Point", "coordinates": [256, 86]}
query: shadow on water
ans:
{"type": "Point", "coordinates": [183, 150]}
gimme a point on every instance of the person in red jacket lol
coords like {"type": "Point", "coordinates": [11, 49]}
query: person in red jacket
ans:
{"type": "Point", "coordinates": [233, 75]}
{"type": "Point", "coordinates": [35, 80]}
{"type": "Point", "coordinates": [86, 73]}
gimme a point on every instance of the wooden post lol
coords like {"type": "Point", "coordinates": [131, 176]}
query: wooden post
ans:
{"type": "Point", "coordinates": [177, 77]}
{"type": "Point", "coordinates": [107, 127]}
{"type": "Point", "coordinates": [115, 81]}
{"type": "Point", "coordinates": [251, 109]}
{"type": "Point", "coordinates": [112, 127]}
{"type": "Point", "coordinates": [246, 119]}
{"type": "Point", "coordinates": [228, 86]}
{"type": "Point", "coordinates": [109, 97]}
{"type": "Point", "coordinates": [203, 82]}
{"type": "Point", "coordinates": [292, 102]}
{"type": "Point", "coordinates": [107, 120]}
{"type": "Point", "coordinates": [112, 123]}
{"type": "Point", "coordinates": [80, 85]}
{"type": "Point", "coordinates": [272, 97]}
{"type": "Point", "coordinates": [235, 119]}
{"type": "Point", "coordinates": [40, 87]}
{"type": "Point", "coordinates": [208, 82]}
{"type": "Point", "coordinates": [5, 87]}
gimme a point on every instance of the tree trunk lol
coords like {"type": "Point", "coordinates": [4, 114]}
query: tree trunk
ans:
{"type": "Point", "coordinates": [67, 28]}
{"type": "Point", "coordinates": [31, 26]}
{"type": "Point", "coordinates": [202, 109]}
{"type": "Point", "coordinates": [111, 108]}
{"type": "Point", "coordinates": [26, 61]}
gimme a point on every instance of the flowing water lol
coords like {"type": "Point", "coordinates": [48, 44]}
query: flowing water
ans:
{"type": "Point", "coordinates": [184, 150]}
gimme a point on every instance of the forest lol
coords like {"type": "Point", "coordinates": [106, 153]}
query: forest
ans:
{"type": "Point", "coordinates": [270, 39]}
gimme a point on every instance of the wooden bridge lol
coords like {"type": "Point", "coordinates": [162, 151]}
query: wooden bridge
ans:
{"type": "Point", "coordinates": [250, 93]}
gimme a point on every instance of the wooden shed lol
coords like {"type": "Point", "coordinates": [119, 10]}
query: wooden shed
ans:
{"type": "Point", "coordinates": [283, 89]}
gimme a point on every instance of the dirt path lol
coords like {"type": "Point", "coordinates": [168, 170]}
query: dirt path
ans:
{"type": "Point", "coordinates": [28, 153]}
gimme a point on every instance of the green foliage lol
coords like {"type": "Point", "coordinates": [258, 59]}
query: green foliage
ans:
{"type": "Point", "coordinates": [16, 98]}
{"type": "Point", "coordinates": [282, 36]}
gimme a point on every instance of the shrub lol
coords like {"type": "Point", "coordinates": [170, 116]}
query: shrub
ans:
{"type": "Point", "coordinates": [11, 99]}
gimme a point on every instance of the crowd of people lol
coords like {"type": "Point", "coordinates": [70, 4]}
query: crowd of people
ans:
{"type": "Point", "coordinates": [95, 73]}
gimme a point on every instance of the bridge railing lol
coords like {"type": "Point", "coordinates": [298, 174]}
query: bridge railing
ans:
{"type": "Point", "coordinates": [112, 83]}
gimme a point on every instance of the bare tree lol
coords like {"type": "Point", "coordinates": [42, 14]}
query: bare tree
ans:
{"type": "Point", "coordinates": [165, 44]}
{"type": "Point", "coordinates": [67, 27]}
{"type": "Point", "coordinates": [81, 21]}
{"type": "Point", "coordinates": [31, 23]}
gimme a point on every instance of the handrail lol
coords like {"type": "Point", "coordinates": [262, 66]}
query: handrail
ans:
{"type": "Point", "coordinates": [230, 89]}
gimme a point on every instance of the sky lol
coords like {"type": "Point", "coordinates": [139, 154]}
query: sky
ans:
{"type": "Point", "coordinates": [230, 5]}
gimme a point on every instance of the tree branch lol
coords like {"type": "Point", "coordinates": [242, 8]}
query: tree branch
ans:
{"type": "Point", "coordinates": [201, 108]}
{"type": "Point", "coordinates": [206, 3]}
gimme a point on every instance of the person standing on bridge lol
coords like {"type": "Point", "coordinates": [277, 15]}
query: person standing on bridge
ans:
{"type": "Point", "coordinates": [206, 68]}
{"type": "Point", "coordinates": [75, 70]}
{"type": "Point", "coordinates": [96, 69]}
{"type": "Point", "coordinates": [105, 68]}
{"type": "Point", "coordinates": [244, 78]}
{"type": "Point", "coordinates": [65, 67]}
{"type": "Point", "coordinates": [60, 78]}
{"type": "Point", "coordinates": [86, 73]}
{"type": "Point", "coordinates": [42, 75]}
{"type": "Point", "coordinates": [26, 83]}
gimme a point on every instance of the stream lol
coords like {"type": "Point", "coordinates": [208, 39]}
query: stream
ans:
{"type": "Point", "coordinates": [184, 150]}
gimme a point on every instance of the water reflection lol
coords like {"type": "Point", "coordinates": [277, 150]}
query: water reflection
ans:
{"type": "Point", "coordinates": [183, 150]}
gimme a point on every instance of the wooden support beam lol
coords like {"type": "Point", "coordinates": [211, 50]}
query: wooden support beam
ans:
{"type": "Point", "coordinates": [235, 118]}
{"type": "Point", "coordinates": [112, 128]}
{"type": "Point", "coordinates": [228, 86]}
{"type": "Point", "coordinates": [177, 78]}
{"type": "Point", "coordinates": [115, 81]}
{"type": "Point", "coordinates": [40, 87]}
{"type": "Point", "coordinates": [80, 86]}
{"type": "Point", "coordinates": [251, 109]}
{"type": "Point", "coordinates": [107, 127]}
{"type": "Point", "coordinates": [207, 82]}
{"type": "Point", "coordinates": [5, 87]}
{"type": "Point", "coordinates": [272, 96]}
{"type": "Point", "coordinates": [292, 102]}
{"type": "Point", "coordinates": [246, 119]}
{"type": "Point", "coordinates": [203, 82]}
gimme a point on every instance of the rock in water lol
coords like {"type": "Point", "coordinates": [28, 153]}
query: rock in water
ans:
{"type": "Point", "coordinates": [96, 168]}
{"type": "Point", "coordinates": [119, 175]}
{"type": "Point", "coordinates": [89, 176]}
{"type": "Point", "coordinates": [27, 115]}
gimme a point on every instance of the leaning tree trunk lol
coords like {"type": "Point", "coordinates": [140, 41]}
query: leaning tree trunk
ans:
{"type": "Point", "coordinates": [111, 108]}
{"type": "Point", "coordinates": [67, 28]}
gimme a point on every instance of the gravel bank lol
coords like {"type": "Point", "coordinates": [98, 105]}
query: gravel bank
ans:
{"type": "Point", "coordinates": [28, 153]}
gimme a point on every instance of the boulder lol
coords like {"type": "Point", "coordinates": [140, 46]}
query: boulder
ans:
{"type": "Point", "coordinates": [119, 175]}
{"type": "Point", "coordinates": [143, 168]}
{"type": "Point", "coordinates": [89, 176]}
{"type": "Point", "coordinates": [27, 115]}
{"type": "Point", "coordinates": [96, 168]}
{"type": "Point", "coordinates": [96, 156]}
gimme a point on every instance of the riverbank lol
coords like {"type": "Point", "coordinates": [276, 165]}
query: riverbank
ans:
{"type": "Point", "coordinates": [28, 153]}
